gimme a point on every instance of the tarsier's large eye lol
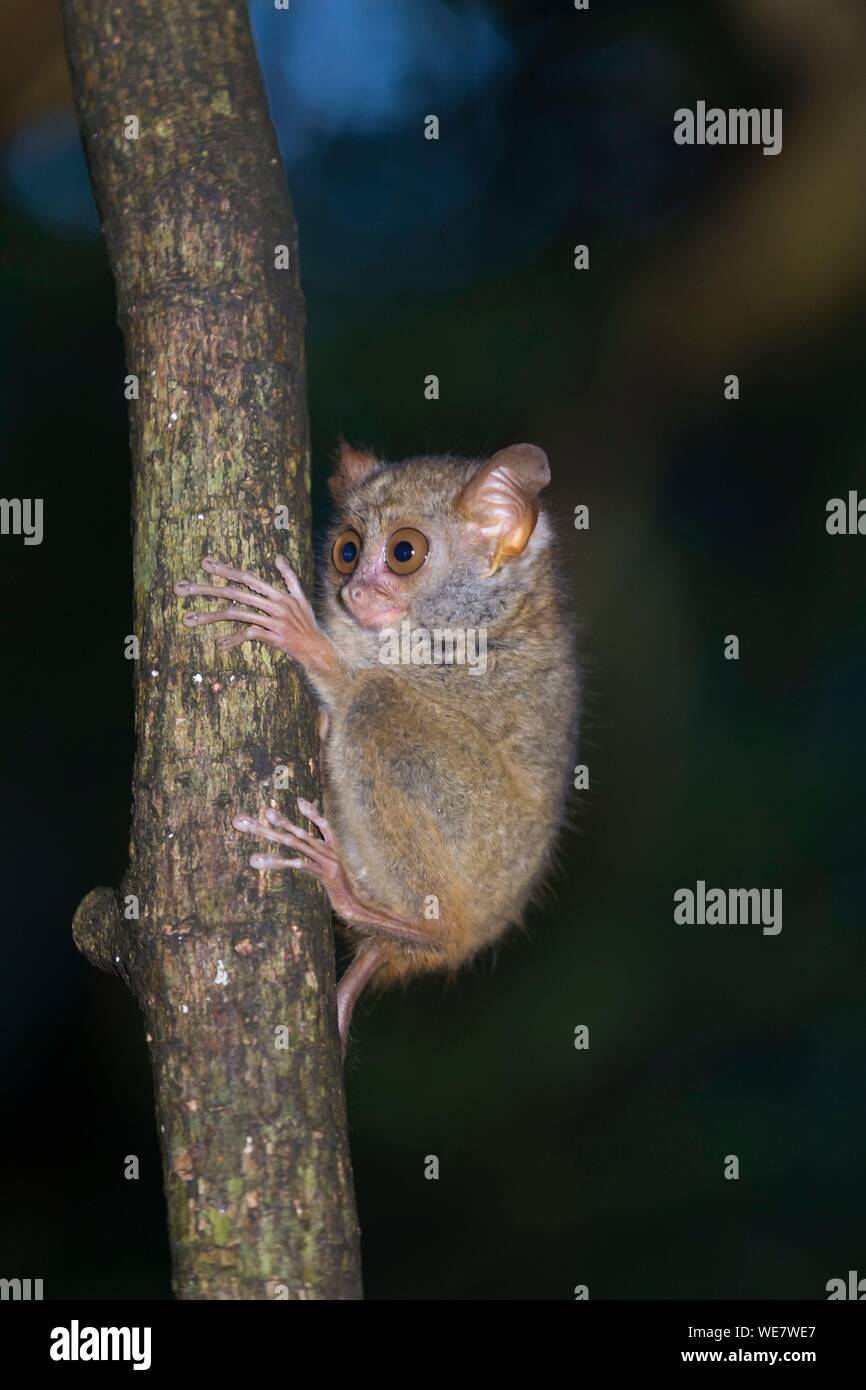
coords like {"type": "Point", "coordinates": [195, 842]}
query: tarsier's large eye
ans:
{"type": "Point", "coordinates": [407, 550]}
{"type": "Point", "coordinates": [347, 551]}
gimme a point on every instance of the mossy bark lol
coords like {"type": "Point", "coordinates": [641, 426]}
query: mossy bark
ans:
{"type": "Point", "coordinates": [227, 964]}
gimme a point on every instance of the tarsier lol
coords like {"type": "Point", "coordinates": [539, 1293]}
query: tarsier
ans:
{"type": "Point", "coordinates": [444, 783]}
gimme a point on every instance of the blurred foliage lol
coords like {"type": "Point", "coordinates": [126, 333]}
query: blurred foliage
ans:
{"type": "Point", "coordinates": [558, 1167]}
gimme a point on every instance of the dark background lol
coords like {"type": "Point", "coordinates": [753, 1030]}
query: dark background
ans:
{"type": "Point", "coordinates": [558, 1166]}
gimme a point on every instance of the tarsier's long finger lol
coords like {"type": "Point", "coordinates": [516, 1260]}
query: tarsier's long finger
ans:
{"type": "Point", "coordinates": [250, 634]}
{"type": "Point", "coordinates": [252, 581]}
{"type": "Point", "coordinates": [257, 634]}
{"type": "Point", "coordinates": [186, 589]}
{"type": "Point", "coordinates": [224, 615]}
{"type": "Point", "coordinates": [272, 861]}
{"type": "Point", "coordinates": [293, 584]}
{"type": "Point", "coordinates": [310, 809]}
{"type": "Point", "coordinates": [276, 818]}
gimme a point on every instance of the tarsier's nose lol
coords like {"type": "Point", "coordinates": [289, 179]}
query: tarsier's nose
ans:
{"type": "Point", "coordinates": [360, 588]}
{"type": "Point", "coordinates": [362, 598]}
{"type": "Point", "coordinates": [369, 604]}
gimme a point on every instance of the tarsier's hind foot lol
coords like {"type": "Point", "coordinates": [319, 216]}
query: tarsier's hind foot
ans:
{"type": "Point", "coordinates": [320, 851]}
{"type": "Point", "coordinates": [322, 859]}
{"type": "Point", "coordinates": [319, 855]}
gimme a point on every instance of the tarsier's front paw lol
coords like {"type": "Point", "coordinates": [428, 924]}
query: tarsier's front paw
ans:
{"type": "Point", "coordinates": [278, 618]}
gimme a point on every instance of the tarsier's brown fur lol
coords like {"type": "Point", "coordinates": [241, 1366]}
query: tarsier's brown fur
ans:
{"type": "Point", "coordinates": [444, 789]}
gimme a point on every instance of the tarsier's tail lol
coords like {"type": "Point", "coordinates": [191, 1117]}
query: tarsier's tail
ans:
{"type": "Point", "coordinates": [353, 982]}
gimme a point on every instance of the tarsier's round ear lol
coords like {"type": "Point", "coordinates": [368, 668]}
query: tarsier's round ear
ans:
{"type": "Point", "coordinates": [501, 500]}
{"type": "Point", "coordinates": [352, 465]}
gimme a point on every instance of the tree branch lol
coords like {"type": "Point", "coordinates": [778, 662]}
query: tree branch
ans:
{"type": "Point", "coordinates": [234, 972]}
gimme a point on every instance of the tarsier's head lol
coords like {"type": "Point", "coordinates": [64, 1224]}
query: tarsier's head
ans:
{"type": "Point", "coordinates": [437, 541]}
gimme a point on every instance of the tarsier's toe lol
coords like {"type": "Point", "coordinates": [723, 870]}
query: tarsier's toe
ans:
{"type": "Point", "coordinates": [273, 861]}
{"type": "Point", "coordinates": [310, 809]}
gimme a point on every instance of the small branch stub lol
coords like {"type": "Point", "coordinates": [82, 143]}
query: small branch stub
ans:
{"type": "Point", "coordinates": [97, 930]}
